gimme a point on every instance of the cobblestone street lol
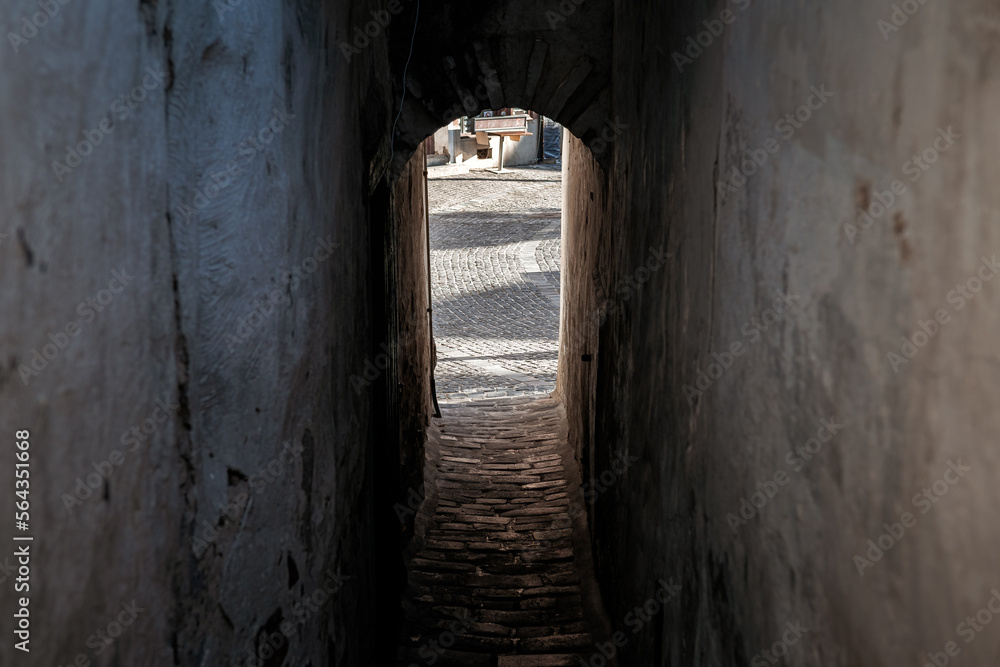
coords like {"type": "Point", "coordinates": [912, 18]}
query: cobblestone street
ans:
{"type": "Point", "coordinates": [495, 282]}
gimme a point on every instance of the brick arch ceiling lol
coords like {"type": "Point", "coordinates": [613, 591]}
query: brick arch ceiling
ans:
{"type": "Point", "coordinates": [553, 57]}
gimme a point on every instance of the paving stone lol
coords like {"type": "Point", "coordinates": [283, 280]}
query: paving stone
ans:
{"type": "Point", "coordinates": [495, 258]}
{"type": "Point", "coordinates": [499, 548]}
{"type": "Point", "coordinates": [500, 553]}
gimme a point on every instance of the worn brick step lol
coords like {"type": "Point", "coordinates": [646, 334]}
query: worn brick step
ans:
{"type": "Point", "coordinates": [552, 511]}
{"type": "Point", "coordinates": [516, 479]}
{"type": "Point", "coordinates": [547, 469]}
{"type": "Point", "coordinates": [513, 465]}
{"type": "Point", "coordinates": [574, 627]}
{"type": "Point", "coordinates": [553, 643]}
{"type": "Point", "coordinates": [445, 545]}
{"type": "Point", "coordinates": [553, 522]}
{"type": "Point", "coordinates": [444, 657]}
{"type": "Point", "coordinates": [552, 660]}
{"type": "Point", "coordinates": [480, 645]}
{"type": "Point", "coordinates": [430, 565]}
{"type": "Point", "coordinates": [528, 618]}
{"type": "Point", "coordinates": [460, 477]}
{"type": "Point", "coordinates": [522, 567]}
{"type": "Point", "coordinates": [456, 532]}
{"type": "Point", "coordinates": [493, 527]}
{"type": "Point", "coordinates": [503, 581]}
{"type": "Point", "coordinates": [542, 457]}
{"type": "Point", "coordinates": [546, 485]}
{"type": "Point", "coordinates": [461, 517]}
{"type": "Point", "coordinates": [557, 534]}
{"type": "Point", "coordinates": [504, 476]}
{"type": "Point", "coordinates": [547, 556]}
{"type": "Point", "coordinates": [438, 578]}
{"type": "Point", "coordinates": [561, 588]}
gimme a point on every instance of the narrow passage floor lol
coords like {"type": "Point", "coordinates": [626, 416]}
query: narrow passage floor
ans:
{"type": "Point", "coordinates": [496, 579]}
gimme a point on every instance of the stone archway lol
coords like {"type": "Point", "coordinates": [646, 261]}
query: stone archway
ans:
{"type": "Point", "coordinates": [553, 58]}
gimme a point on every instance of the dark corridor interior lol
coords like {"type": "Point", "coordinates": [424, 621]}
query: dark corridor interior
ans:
{"type": "Point", "coordinates": [759, 428]}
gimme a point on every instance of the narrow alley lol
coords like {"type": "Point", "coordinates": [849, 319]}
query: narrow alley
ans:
{"type": "Point", "coordinates": [497, 575]}
{"type": "Point", "coordinates": [498, 580]}
{"type": "Point", "coordinates": [371, 333]}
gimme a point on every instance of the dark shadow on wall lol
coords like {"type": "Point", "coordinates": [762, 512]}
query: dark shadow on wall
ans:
{"type": "Point", "coordinates": [397, 375]}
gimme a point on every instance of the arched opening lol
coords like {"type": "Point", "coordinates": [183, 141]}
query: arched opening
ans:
{"type": "Point", "coordinates": [486, 57]}
{"type": "Point", "coordinates": [501, 506]}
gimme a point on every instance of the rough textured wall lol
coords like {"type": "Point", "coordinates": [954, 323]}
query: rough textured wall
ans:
{"type": "Point", "coordinates": [413, 326]}
{"type": "Point", "coordinates": [780, 228]}
{"type": "Point", "coordinates": [219, 223]}
{"type": "Point", "coordinates": [586, 297]}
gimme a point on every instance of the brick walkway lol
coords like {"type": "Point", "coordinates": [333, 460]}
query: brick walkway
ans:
{"type": "Point", "coordinates": [495, 282]}
{"type": "Point", "coordinates": [497, 576]}
{"type": "Point", "coordinates": [496, 580]}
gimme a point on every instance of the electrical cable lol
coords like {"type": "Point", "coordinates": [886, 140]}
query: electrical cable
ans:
{"type": "Point", "coordinates": [413, 39]}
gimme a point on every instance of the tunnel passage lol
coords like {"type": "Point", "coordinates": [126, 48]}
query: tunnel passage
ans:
{"type": "Point", "coordinates": [554, 60]}
{"type": "Point", "coordinates": [499, 570]}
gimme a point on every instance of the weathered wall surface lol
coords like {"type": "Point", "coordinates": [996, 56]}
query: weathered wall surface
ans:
{"type": "Point", "coordinates": [413, 347]}
{"type": "Point", "coordinates": [704, 448]}
{"type": "Point", "coordinates": [586, 296]}
{"type": "Point", "coordinates": [229, 194]}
